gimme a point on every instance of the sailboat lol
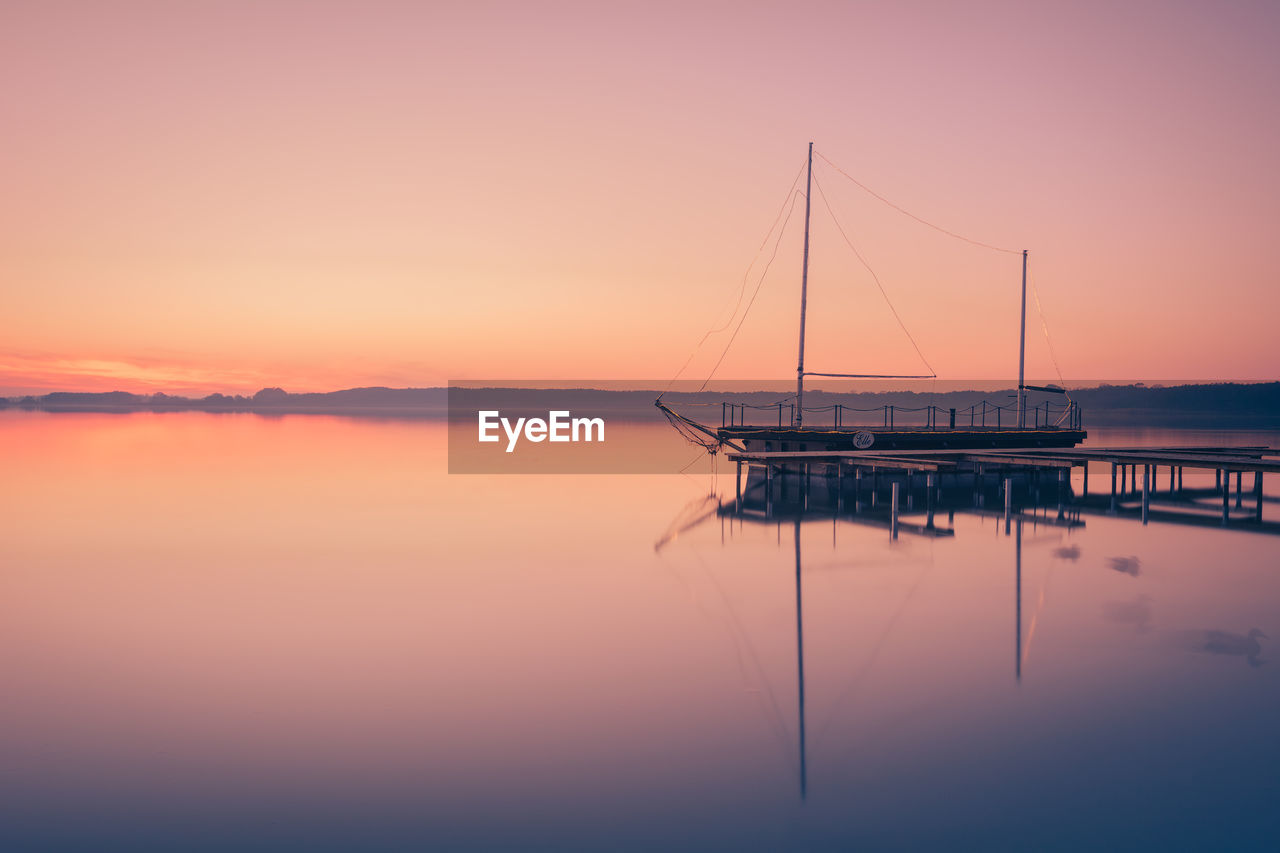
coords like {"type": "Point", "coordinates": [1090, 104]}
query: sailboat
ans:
{"type": "Point", "coordinates": [998, 428]}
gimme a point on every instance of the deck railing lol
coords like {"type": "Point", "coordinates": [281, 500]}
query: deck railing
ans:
{"type": "Point", "coordinates": [983, 414]}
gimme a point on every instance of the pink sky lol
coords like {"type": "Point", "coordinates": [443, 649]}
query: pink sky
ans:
{"type": "Point", "coordinates": [226, 195]}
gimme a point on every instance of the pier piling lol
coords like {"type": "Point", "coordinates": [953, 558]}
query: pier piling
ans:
{"type": "Point", "coordinates": [893, 511]}
{"type": "Point", "coordinates": [1146, 491]}
{"type": "Point", "coordinates": [1225, 477]}
{"type": "Point", "coordinates": [1008, 501]}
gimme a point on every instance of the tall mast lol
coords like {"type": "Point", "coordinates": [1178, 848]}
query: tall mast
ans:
{"type": "Point", "coordinates": [1022, 347]}
{"type": "Point", "coordinates": [804, 293]}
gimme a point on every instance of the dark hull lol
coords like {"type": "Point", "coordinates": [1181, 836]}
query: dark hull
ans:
{"type": "Point", "coordinates": [887, 438]}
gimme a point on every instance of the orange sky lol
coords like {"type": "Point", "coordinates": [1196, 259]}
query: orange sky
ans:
{"type": "Point", "coordinates": [225, 195]}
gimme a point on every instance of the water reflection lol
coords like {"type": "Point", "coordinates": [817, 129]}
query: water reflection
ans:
{"type": "Point", "coordinates": [1135, 614]}
{"type": "Point", "coordinates": [1219, 642]}
{"type": "Point", "coordinates": [702, 510]}
{"type": "Point", "coordinates": [793, 502]}
{"type": "Point", "coordinates": [1131, 566]}
{"type": "Point", "coordinates": [1067, 552]}
{"type": "Point", "coordinates": [301, 633]}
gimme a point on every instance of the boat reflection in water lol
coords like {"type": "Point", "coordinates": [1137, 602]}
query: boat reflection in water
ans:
{"type": "Point", "coordinates": [903, 505]}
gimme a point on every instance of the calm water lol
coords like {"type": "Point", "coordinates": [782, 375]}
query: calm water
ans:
{"type": "Point", "coordinates": [237, 632]}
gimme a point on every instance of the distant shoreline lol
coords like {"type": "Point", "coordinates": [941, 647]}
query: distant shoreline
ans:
{"type": "Point", "coordinates": [1227, 405]}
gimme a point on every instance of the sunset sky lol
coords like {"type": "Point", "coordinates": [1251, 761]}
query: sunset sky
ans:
{"type": "Point", "coordinates": [221, 196]}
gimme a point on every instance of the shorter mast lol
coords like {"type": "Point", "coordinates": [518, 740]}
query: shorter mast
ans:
{"type": "Point", "coordinates": [804, 293]}
{"type": "Point", "coordinates": [1022, 349]}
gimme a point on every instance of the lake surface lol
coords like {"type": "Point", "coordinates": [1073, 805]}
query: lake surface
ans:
{"type": "Point", "coordinates": [301, 633]}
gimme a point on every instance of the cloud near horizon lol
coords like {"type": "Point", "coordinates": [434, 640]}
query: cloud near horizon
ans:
{"type": "Point", "coordinates": [28, 373]}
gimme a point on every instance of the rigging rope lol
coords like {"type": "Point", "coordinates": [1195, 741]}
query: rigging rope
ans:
{"type": "Point", "coordinates": [743, 288]}
{"type": "Point", "coordinates": [796, 194]}
{"type": "Point", "coordinates": [1053, 356]}
{"type": "Point", "coordinates": [1035, 292]}
{"type": "Point", "coordinates": [874, 277]}
{"type": "Point", "coordinates": [949, 233]}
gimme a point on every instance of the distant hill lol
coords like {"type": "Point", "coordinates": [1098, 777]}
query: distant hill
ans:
{"type": "Point", "coordinates": [372, 401]}
{"type": "Point", "coordinates": [1211, 405]}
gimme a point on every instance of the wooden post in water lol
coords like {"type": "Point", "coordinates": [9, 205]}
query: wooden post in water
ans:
{"type": "Point", "coordinates": [893, 510]}
{"type": "Point", "coordinates": [1113, 488]}
{"type": "Point", "coordinates": [1225, 476]}
{"type": "Point", "coordinates": [928, 499]}
{"type": "Point", "coordinates": [1239, 479]}
{"type": "Point", "coordinates": [1257, 491]}
{"type": "Point", "coordinates": [1146, 491]}
{"type": "Point", "coordinates": [768, 489]}
{"type": "Point", "coordinates": [739, 498]}
{"type": "Point", "coordinates": [1124, 474]}
{"type": "Point", "coordinates": [1008, 502]}
{"type": "Point", "coordinates": [1085, 491]}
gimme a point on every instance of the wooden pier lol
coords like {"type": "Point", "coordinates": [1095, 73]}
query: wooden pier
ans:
{"type": "Point", "coordinates": [1143, 482]}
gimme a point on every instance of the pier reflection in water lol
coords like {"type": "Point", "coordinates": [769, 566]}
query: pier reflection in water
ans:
{"type": "Point", "coordinates": [791, 500]}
